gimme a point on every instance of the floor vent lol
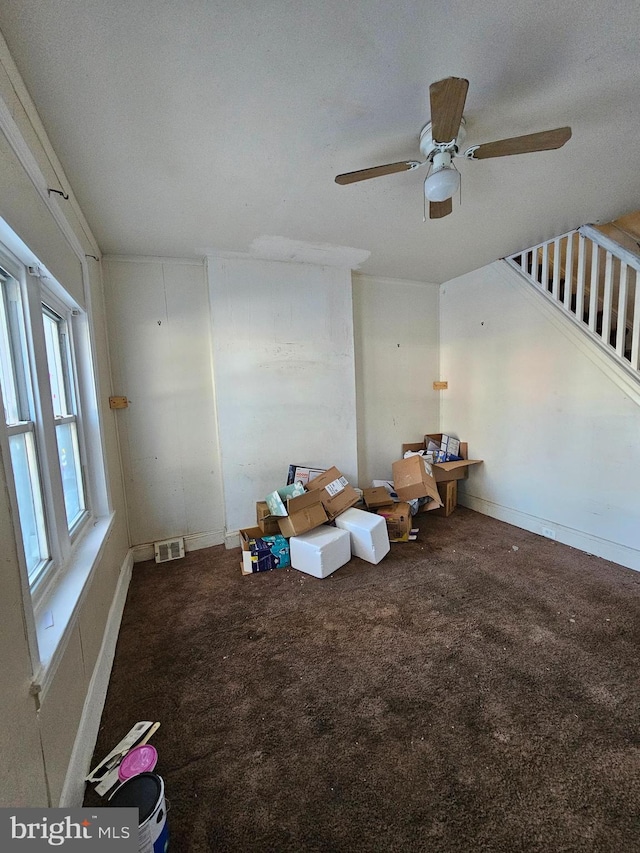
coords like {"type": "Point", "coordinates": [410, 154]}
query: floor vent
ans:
{"type": "Point", "coordinates": [169, 549]}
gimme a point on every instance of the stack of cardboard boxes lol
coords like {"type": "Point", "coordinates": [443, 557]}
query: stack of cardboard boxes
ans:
{"type": "Point", "coordinates": [315, 498]}
{"type": "Point", "coordinates": [445, 473]}
{"type": "Point", "coordinates": [294, 510]}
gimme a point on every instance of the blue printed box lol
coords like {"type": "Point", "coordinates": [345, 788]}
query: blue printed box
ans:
{"type": "Point", "coordinates": [262, 553]}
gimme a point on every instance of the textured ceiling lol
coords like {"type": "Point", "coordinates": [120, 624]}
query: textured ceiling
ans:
{"type": "Point", "coordinates": [195, 125]}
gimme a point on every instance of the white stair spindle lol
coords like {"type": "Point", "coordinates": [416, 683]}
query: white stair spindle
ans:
{"type": "Point", "coordinates": [568, 273]}
{"type": "Point", "coordinates": [555, 287]}
{"type": "Point", "coordinates": [580, 279]}
{"type": "Point", "coordinates": [606, 302]}
{"type": "Point", "coordinates": [593, 287]}
{"type": "Point", "coordinates": [544, 268]}
{"type": "Point", "coordinates": [635, 335]}
{"type": "Point", "coordinates": [621, 319]}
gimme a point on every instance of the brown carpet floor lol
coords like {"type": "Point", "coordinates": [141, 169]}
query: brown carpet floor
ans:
{"type": "Point", "coordinates": [476, 691]}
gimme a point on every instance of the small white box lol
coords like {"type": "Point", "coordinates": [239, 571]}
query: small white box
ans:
{"type": "Point", "coordinates": [368, 532]}
{"type": "Point", "coordinates": [321, 551]}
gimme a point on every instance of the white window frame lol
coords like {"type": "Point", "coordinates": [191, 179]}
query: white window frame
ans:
{"type": "Point", "coordinates": [73, 415]}
{"type": "Point", "coordinates": [25, 419]}
{"type": "Point", "coordinates": [53, 599]}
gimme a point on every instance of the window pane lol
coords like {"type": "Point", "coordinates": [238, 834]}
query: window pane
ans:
{"type": "Point", "coordinates": [54, 360]}
{"type": "Point", "coordinates": [13, 353]}
{"type": "Point", "coordinates": [27, 482]}
{"type": "Point", "coordinates": [71, 472]}
{"type": "Point", "coordinates": [60, 382]}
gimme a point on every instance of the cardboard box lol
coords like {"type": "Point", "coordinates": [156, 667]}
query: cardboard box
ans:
{"type": "Point", "coordinates": [445, 471]}
{"type": "Point", "coordinates": [266, 522]}
{"type": "Point", "coordinates": [276, 501]}
{"type": "Point", "coordinates": [303, 474]}
{"type": "Point", "coordinates": [304, 513]}
{"type": "Point", "coordinates": [336, 493]}
{"type": "Point", "coordinates": [376, 496]}
{"type": "Point", "coordinates": [262, 553]}
{"type": "Point", "coordinates": [398, 519]}
{"type": "Point", "coordinates": [449, 495]}
{"type": "Point", "coordinates": [411, 480]}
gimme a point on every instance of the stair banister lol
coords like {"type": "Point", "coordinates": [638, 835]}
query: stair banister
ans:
{"type": "Point", "coordinates": [602, 272]}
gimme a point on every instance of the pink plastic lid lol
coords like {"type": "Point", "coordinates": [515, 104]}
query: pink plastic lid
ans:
{"type": "Point", "coordinates": [140, 759]}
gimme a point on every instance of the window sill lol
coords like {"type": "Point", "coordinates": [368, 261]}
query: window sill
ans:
{"type": "Point", "coordinates": [57, 611]}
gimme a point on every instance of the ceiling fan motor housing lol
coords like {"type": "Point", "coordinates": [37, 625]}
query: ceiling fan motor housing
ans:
{"type": "Point", "coordinates": [441, 160]}
{"type": "Point", "coordinates": [429, 148]}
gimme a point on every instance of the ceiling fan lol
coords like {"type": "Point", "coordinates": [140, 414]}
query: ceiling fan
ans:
{"type": "Point", "coordinates": [441, 140]}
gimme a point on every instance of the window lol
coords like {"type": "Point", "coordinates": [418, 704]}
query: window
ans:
{"type": "Point", "coordinates": [41, 397]}
{"type": "Point", "coordinates": [15, 381]}
{"type": "Point", "coordinates": [63, 400]}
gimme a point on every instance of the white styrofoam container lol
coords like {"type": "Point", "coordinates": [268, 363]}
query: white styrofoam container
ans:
{"type": "Point", "coordinates": [368, 532]}
{"type": "Point", "coordinates": [320, 551]}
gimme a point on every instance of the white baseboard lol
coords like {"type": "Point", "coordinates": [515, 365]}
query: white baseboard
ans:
{"type": "Point", "coordinates": [195, 541]}
{"type": "Point", "coordinates": [192, 542]}
{"type": "Point", "coordinates": [621, 554]}
{"type": "Point", "coordinates": [142, 553]}
{"type": "Point", "coordinates": [73, 789]}
{"type": "Point", "coordinates": [232, 540]}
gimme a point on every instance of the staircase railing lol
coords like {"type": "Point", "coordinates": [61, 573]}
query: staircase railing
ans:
{"type": "Point", "coordinates": [596, 282]}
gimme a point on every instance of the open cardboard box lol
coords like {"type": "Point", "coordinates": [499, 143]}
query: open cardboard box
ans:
{"type": "Point", "coordinates": [266, 522]}
{"type": "Point", "coordinates": [411, 480]}
{"type": "Point", "coordinates": [445, 471]}
{"type": "Point", "coordinates": [335, 492]}
{"type": "Point", "coordinates": [304, 513]}
{"type": "Point", "coordinates": [399, 521]}
{"type": "Point", "coordinates": [253, 559]}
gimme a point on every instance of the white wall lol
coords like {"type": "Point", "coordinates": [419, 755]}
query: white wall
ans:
{"type": "Point", "coordinates": [22, 772]}
{"type": "Point", "coordinates": [397, 361]}
{"type": "Point", "coordinates": [556, 425]}
{"type": "Point", "coordinates": [285, 382]}
{"type": "Point", "coordinates": [160, 334]}
{"type": "Point", "coordinates": [285, 376]}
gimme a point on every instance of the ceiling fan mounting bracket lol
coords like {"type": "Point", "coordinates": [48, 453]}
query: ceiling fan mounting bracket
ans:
{"type": "Point", "coordinates": [469, 154]}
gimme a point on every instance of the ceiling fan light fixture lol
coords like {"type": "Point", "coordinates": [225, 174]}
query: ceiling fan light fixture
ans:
{"type": "Point", "coordinates": [444, 181]}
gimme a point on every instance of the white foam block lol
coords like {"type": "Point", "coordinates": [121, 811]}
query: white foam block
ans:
{"type": "Point", "coordinates": [368, 534]}
{"type": "Point", "coordinates": [320, 551]}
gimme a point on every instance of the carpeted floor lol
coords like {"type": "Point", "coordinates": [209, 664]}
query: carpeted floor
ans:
{"type": "Point", "coordinates": [476, 691]}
